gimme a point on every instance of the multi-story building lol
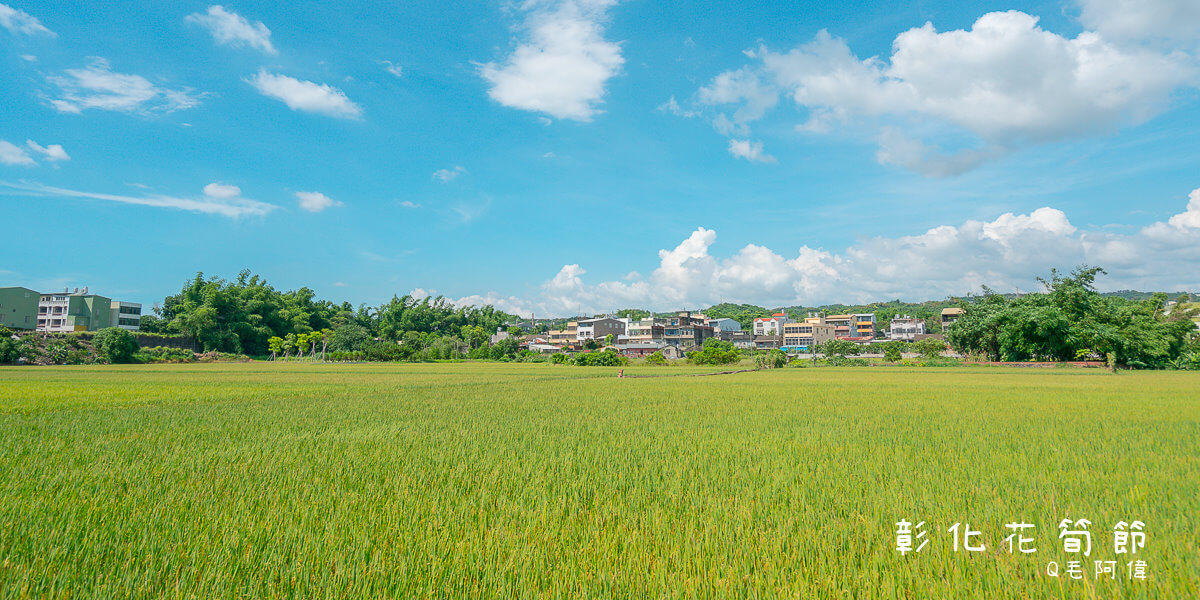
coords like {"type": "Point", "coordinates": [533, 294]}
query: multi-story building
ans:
{"type": "Point", "coordinates": [651, 329]}
{"type": "Point", "coordinates": [73, 311]}
{"type": "Point", "coordinates": [724, 324]}
{"type": "Point", "coordinates": [685, 329]}
{"type": "Point", "coordinates": [859, 326]}
{"type": "Point", "coordinates": [599, 328]}
{"type": "Point", "coordinates": [772, 325]}
{"type": "Point", "coordinates": [18, 308]}
{"type": "Point", "coordinates": [905, 328]}
{"type": "Point", "coordinates": [950, 315]}
{"type": "Point", "coordinates": [564, 337]}
{"type": "Point", "coordinates": [126, 315]}
{"type": "Point", "coordinates": [802, 337]}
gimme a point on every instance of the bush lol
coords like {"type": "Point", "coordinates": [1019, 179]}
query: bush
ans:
{"type": "Point", "coordinates": [839, 348]}
{"type": "Point", "coordinates": [893, 351]}
{"type": "Point", "coordinates": [116, 344]}
{"type": "Point", "coordinates": [350, 337]}
{"type": "Point", "coordinates": [13, 347]}
{"type": "Point", "coordinates": [773, 359]}
{"type": "Point", "coordinates": [716, 352]}
{"type": "Point", "coordinates": [929, 347]}
{"type": "Point", "coordinates": [160, 354]}
{"type": "Point", "coordinates": [605, 358]}
{"type": "Point", "coordinates": [656, 359]}
{"type": "Point", "coordinates": [560, 358]}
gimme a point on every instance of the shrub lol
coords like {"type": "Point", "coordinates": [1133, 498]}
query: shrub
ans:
{"type": "Point", "coordinates": [560, 358]}
{"type": "Point", "coordinates": [716, 352]}
{"type": "Point", "coordinates": [605, 358]}
{"type": "Point", "coordinates": [893, 351]}
{"type": "Point", "coordinates": [656, 359]}
{"type": "Point", "coordinates": [115, 344]}
{"type": "Point", "coordinates": [929, 347]}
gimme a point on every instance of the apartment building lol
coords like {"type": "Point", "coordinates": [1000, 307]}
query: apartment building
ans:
{"type": "Point", "coordinates": [724, 324]}
{"type": "Point", "coordinates": [859, 326]}
{"type": "Point", "coordinates": [599, 328]}
{"type": "Point", "coordinates": [73, 311]}
{"type": "Point", "coordinates": [772, 325]}
{"type": "Point", "coordinates": [18, 308]}
{"type": "Point", "coordinates": [651, 329]}
{"type": "Point", "coordinates": [685, 329]}
{"type": "Point", "coordinates": [802, 337]}
{"type": "Point", "coordinates": [564, 337]}
{"type": "Point", "coordinates": [126, 315]}
{"type": "Point", "coordinates": [905, 328]}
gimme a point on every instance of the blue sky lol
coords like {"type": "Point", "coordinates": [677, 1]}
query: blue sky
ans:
{"type": "Point", "coordinates": [558, 156]}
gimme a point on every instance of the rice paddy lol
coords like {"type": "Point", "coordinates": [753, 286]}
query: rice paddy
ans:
{"type": "Point", "coordinates": [543, 481]}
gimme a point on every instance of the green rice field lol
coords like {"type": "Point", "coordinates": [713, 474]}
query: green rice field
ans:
{"type": "Point", "coordinates": [540, 481]}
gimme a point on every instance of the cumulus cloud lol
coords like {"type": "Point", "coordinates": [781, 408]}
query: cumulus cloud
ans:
{"type": "Point", "coordinates": [96, 86]}
{"type": "Point", "coordinates": [52, 153]}
{"type": "Point", "coordinates": [19, 22]}
{"type": "Point", "coordinates": [218, 203]}
{"type": "Point", "coordinates": [1004, 83]}
{"type": "Point", "coordinates": [562, 63]}
{"type": "Point", "coordinates": [1007, 253]}
{"type": "Point", "coordinates": [231, 29]}
{"type": "Point", "coordinates": [448, 175]}
{"type": "Point", "coordinates": [12, 154]}
{"type": "Point", "coordinates": [315, 202]}
{"type": "Point", "coordinates": [221, 190]}
{"type": "Point", "coordinates": [751, 151]}
{"type": "Point", "coordinates": [306, 95]}
{"type": "Point", "coordinates": [1143, 19]}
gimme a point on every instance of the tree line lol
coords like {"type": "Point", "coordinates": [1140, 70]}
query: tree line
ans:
{"type": "Point", "coordinates": [249, 316]}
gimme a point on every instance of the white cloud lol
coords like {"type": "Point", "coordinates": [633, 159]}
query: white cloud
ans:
{"type": "Point", "coordinates": [340, 284]}
{"type": "Point", "coordinates": [1006, 253]}
{"type": "Point", "coordinates": [306, 95]}
{"type": "Point", "coordinates": [392, 68]}
{"type": "Point", "coordinates": [28, 58]}
{"type": "Point", "coordinates": [233, 207]}
{"type": "Point", "coordinates": [672, 106]}
{"type": "Point", "coordinates": [97, 86]}
{"type": "Point", "coordinates": [1004, 83]}
{"type": "Point", "coordinates": [52, 153]}
{"type": "Point", "coordinates": [448, 175]}
{"type": "Point", "coordinates": [20, 22]}
{"type": "Point", "coordinates": [409, 204]}
{"type": "Point", "coordinates": [563, 62]}
{"type": "Point", "coordinates": [221, 190]}
{"type": "Point", "coordinates": [12, 154]}
{"type": "Point", "coordinates": [1143, 19]}
{"type": "Point", "coordinates": [315, 202]}
{"type": "Point", "coordinates": [231, 29]}
{"type": "Point", "coordinates": [751, 151]}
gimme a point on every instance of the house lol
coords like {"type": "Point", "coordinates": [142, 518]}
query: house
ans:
{"type": "Point", "coordinates": [855, 327]}
{"type": "Point", "coordinates": [672, 353]}
{"type": "Point", "coordinates": [599, 328]}
{"type": "Point", "coordinates": [905, 328]}
{"type": "Point", "coordinates": [803, 337]}
{"type": "Point", "coordinates": [950, 315]}
{"type": "Point", "coordinates": [771, 326]}
{"type": "Point", "coordinates": [564, 337]}
{"type": "Point", "coordinates": [740, 339]}
{"type": "Point", "coordinates": [500, 334]}
{"type": "Point", "coordinates": [79, 310]}
{"type": "Point", "coordinates": [686, 329]}
{"type": "Point", "coordinates": [544, 348]}
{"type": "Point", "coordinates": [18, 308]}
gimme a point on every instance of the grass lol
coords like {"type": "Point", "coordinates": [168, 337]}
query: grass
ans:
{"type": "Point", "coordinates": [494, 480]}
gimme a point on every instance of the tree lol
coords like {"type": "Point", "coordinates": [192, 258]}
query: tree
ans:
{"type": "Point", "coordinates": [13, 347]}
{"type": "Point", "coordinates": [841, 348]}
{"type": "Point", "coordinates": [275, 343]}
{"type": "Point", "coordinates": [893, 351]}
{"type": "Point", "coordinates": [656, 359]}
{"type": "Point", "coordinates": [716, 352]}
{"type": "Point", "coordinates": [609, 339]}
{"type": "Point", "coordinates": [116, 344]}
{"type": "Point", "coordinates": [929, 347]}
{"type": "Point", "coordinates": [505, 348]}
{"type": "Point", "coordinates": [350, 337]}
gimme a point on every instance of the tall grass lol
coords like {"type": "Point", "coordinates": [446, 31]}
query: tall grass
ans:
{"type": "Point", "coordinates": [493, 480]}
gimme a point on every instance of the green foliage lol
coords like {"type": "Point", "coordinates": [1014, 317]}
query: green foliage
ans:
{"type": "Point", "coordinates": [560, 358]}
{"type": "Point", "coordinates": [349, 337]}
{"type": "Point", "coordinates": [633, 314]}
{"type": "Point", "coordinates": [839, 348]}
{"type": "Point", "coordinates": [894, 351]}
{"type": "Point", "coordinates": [773, 359]}
{"type": "Point", "coordinates": [115, 344]}
{"type": "Point", "coordinates": [715, 352]}
{"type": "Point", "coordinates": [607, 358]}
{"type": "Point", "coordinates": [656, 359]}
{"type": "Point", "coordinates": [504, 349]}
{"type": "Point", "coordinates": [742, 313]}
{"type": "Point", "coordinates": [1068, 317]}
{"type": "Point", "coordinates": [242, 316]}
{"type": "Point", "coordinates": [13, 347]}
{"type": "Point", "coordinates": [161, 354]}
{"type": "Point", "coordinates": [929, 347]}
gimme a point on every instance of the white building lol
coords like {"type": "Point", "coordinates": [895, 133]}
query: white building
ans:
{"type": "Point", "coordinates": [600, 327]}
{"type": "Point", "coordinates": [772, 325]}
{"type": "Point", "coordinates": [905, 328]}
